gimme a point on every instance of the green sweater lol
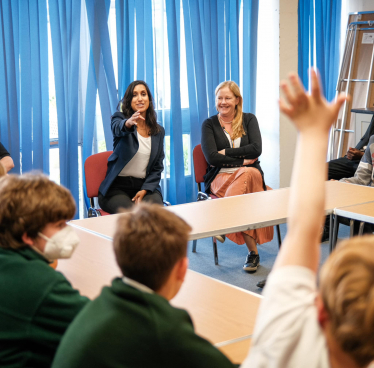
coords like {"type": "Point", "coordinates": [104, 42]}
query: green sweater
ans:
{"type": "Point", "coordinates": [125, 327]}
{"type": "Point", "coordinates": [36, 306]}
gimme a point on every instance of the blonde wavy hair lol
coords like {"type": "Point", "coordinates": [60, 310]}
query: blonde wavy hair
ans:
{"type": "Point", "coordinates": [237, 125]}
{"type": "Point", "coordinates": [347, 290]}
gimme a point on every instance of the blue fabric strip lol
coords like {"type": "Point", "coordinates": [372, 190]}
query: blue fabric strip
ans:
{"type": "Point", "coordinates": [36, 88]}
{"type": "Point", "coordinates": [234, 40]}
{"type": "Point", "coordinates": [221, 37]}
{"type": "Point", "coordinates": [148, 45]}
{"type": "Point", "coordinates": [250, 27]}
{"type": "Point", "coordinates": [25, 88]}
{"type": "Point", "coordinates": [44, 76]}
{"type": "Point", "coordinates": [13, 144]}
{"type": "Point", "coordinates": [177, 192]}
{"type": "Point", "coordinates": [139, 9]}
{"type": "Point", "coordinates": [120, 41]}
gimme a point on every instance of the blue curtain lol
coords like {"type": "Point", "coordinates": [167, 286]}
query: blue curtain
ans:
{"type": "Point", "coordinates": [324, 17]}
{"type": "Point", "coordinates": [211, 36]}
{"type": "Point", "coordinates": [24, 116]}
{"type": "Point", "coordinates": [65, 24]}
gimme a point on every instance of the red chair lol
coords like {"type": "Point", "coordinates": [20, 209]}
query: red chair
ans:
{"type": "Point", "coordinates": [200, 165]}
{"type": "Point", "coordinates": [95, 168]}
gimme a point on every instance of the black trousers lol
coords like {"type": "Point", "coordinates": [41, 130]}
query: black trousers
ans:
{"type": "Point", "coordinates": [342, 168]}
{"type": "Point", "coordinates": [121, 192]}
{"type": "Point", "coordinates": [339, 169]}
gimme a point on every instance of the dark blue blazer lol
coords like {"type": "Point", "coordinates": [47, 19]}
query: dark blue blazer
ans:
{"type": "Point", "coordinates": [125, 145]}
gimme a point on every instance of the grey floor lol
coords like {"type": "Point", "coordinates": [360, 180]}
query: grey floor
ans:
{"type": "Point", "coordinates": [232, 256]}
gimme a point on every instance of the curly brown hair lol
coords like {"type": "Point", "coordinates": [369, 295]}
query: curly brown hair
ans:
{"type": "Point", "coordinates": [347, 290]}
{"type": "Point", "coordinates": [28, 203]}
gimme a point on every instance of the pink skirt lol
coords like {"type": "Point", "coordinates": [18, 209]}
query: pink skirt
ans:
{"type": "Point", "coordinates": [244, 180]}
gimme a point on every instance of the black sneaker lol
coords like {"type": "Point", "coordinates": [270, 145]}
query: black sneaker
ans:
{"type": "Point", "coordinates": [251, 262]}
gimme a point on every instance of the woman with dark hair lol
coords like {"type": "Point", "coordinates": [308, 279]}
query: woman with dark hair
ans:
{"type": "Point", "coordinates": [135, 167]}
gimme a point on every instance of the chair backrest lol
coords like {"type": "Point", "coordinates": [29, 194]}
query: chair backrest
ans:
{"type": "Point", "coordinates": [199, 163]}
{"type": "Point", "coordinates": [95, 168]}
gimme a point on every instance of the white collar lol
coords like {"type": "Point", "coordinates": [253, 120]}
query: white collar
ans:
{"type": "Point", "coordinates": [137, 285]}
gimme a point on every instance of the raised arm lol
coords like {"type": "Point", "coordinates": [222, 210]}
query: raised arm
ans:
{"type": "Point", "coordinates": [313, 117]}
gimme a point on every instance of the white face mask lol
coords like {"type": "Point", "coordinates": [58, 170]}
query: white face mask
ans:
{"type": "Point", "coordinates": [60, 245]}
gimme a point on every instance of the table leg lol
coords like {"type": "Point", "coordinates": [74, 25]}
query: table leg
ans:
{"type": "Point", "coordinates": [351, 227]}
{"type": "Point", "coordinates": [215, 251]}
{"type": "Point", "coordinates": [361, 229]}
{"type": "Point", "coordinates": [330, 232]}
{"type": "Point", "coordinates": [194, 243]}
{"type": "Point", "coordinates": [335, 233]}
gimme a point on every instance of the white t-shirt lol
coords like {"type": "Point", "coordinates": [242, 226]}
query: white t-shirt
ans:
{"type": "Point", "coordinates": [137, 166]}
{"type": "Point", "coordinates": [287, 332]}
{"type": "Point", "coordinates": [236, 144]}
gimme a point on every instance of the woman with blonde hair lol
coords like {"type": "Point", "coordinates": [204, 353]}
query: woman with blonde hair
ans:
{"type": "Point", "coordinates": [231, 143]}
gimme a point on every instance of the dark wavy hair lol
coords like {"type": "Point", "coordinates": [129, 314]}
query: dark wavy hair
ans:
{"type": "Point", "coordinates": [124, 106]}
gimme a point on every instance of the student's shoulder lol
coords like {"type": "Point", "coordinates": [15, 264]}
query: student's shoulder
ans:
{"type": "Point", "coordinates": [210, 121]}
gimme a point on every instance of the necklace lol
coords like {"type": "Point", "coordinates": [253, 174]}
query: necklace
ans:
{"type": "Point", "coordinates": [223, 122]}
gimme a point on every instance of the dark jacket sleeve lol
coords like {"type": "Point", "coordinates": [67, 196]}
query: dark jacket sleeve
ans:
{"type": "Point", "coordinates": [210, 150]}
{"type": "Point", "coordinates": [118, 126]}
{"type": "Point", "coordinates": [58, 309]}
{"type": "Point", "coordinates": [254, 148]}
{"type": "Point", "coordinates": [179, 351]}
{"type": "Point", "coordinates": [3, 151]}
{"type": "Point", "coordinates": [153, 178]}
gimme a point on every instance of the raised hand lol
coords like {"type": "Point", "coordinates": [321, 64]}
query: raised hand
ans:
{"type": "Point", "coordinates": [308, 111]}
{"type": "Point", "coordinates": [133, 120]}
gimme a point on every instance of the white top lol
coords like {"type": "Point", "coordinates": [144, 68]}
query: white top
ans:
{"type": "Point", "coordinates": [137, 285]}
{"type": "Point", "coordinates": [137, 166]}
{"type": "Point", "coordinates": [234, 144]}
{"type": "Point", "coordinates": [287, 332]}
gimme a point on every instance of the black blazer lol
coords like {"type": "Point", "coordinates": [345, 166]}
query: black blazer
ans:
{"type": "Point", "coordinates": [125, 145]}
{"type": "Point", "coordinates": [213, 139]}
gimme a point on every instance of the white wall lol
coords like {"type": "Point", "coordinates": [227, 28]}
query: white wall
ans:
{"type": "Point", "coordinates": [267, 93]}
{"type": "Point", "coordinates": [277, 56]}
{"type": "Point", "coordinates": [288, 36]}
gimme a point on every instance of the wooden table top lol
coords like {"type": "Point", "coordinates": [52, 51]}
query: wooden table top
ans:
{"type": "Point", "coordinates": [360, 212]}
{"type": "Point", "coordinates": [240, 213]}
{"type": "Point", "coordinates": [220, 312]}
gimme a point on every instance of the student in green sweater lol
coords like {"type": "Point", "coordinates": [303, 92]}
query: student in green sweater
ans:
{"type": "Point", "coordinates": [37, 303]}
{"type": "Point", "coordinates": [132, 324]}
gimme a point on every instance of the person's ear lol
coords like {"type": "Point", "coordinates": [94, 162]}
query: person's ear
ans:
{"type": "Point", "coordinates": [237, 101]}
{"type": "Point", "coordinates": [182, 268]}
{"type": "Point", "coordinates": [322, 315]}
{"type": "Point", "coordinates": [27, 239]}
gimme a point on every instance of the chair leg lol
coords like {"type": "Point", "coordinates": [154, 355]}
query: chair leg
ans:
{"type": "Point", "coordinates": [361, 229]}
{"type": "Point", "coordinates": [335, 234]}
{"type": "Point", "coordinates": [279, 236]}
{"type": "Point", "coordinates": [215, 251]}
{"type": "Point", "coordinates": [194, 243]}
{"type": "Point", "coordinates": [351, 227]}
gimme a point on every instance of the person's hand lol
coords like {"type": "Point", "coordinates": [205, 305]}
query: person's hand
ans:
{"type": "Point", "coordinates": [249, 162]}
{"type": "Point", "coordinates": [133, 120]}
{"type": "Point", "coordinates": [139, 196]}
{"type": "Point", "coordinates": [309, 112]}
{"type": "Point", "coordinates": [222, 152]}
{"type": "Point", "coordinates": [354, 154]}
